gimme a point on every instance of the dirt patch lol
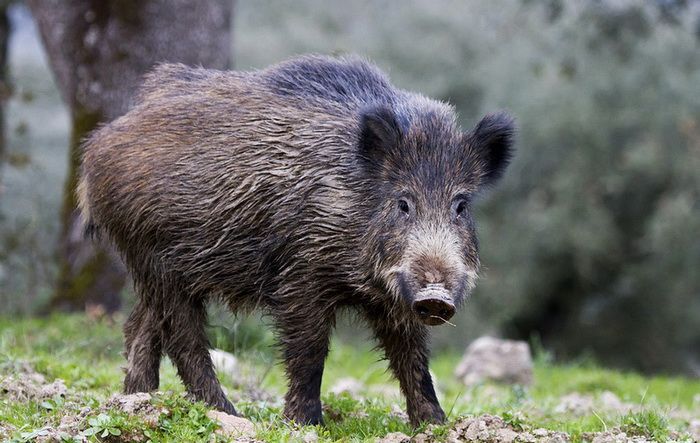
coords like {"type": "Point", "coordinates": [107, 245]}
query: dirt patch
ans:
{"type": "Point", "coordinates": [25, 384]}
{"type": "Point", "coordinates": [77, 419]}
{"type": "Point", "coordinates": [5, 431]}
{"type": "Point", "coordinates": [583, 404]}
{"type": "Point", "coordinates": [138, 404]}
{"type": "Point", "coordinates": [395, 437]}
{"type": "Point", "coordinates": [694, 429]}
{"type": "Point", "coordinates": [492, 429]}
{"type": "Point", "coordinates": [614, 437]}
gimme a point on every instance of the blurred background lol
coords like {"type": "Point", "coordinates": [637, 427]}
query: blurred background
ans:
{"type": "Point", "coordinates": [591, 245]}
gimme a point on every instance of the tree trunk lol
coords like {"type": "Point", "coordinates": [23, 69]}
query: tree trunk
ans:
{"type": "Point", "coordinates": [5, 89]}
{"type": "Point", "coordinates": [99, 50]}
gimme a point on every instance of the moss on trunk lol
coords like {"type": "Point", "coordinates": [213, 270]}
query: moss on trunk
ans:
{"type": "Point", "coordinates": [87, 272]}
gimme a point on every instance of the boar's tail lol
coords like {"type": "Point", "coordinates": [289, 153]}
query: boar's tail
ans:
{"type": "Point", "coordinates": [90, 228]}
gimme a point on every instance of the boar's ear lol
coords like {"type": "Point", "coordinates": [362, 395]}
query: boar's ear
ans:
{"type": "Point", "coordinates": [491, 141]}
{"type": "Point", "coordinates": [379, 134]}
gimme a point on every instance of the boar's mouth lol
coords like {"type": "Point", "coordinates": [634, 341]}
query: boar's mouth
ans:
{"type": "Point", "coordinates": [433, 305]}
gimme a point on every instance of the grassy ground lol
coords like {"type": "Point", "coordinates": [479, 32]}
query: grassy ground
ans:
{"type": "Point", "coordinates": [85, 354]}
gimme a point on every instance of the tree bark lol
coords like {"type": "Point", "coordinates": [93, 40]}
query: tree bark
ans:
{"type": "Point", "coordinates": [99, 51]}
{"type": "Point", "coordinates": [5, 88]}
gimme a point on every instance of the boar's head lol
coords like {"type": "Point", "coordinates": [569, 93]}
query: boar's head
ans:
{"type": "Point", "coordinates": [423, 173]}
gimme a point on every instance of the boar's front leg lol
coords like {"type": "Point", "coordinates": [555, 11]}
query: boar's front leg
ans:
{"type": "Point", "coordinates": [304, 335]}
{"type": "Point", "coordinates": [406, 348]}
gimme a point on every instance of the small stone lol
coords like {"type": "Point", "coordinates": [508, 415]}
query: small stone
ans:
{"type": "Point", "coordinates": [57, 388]}
{"type": "Point", "coordinates": [505, 435]}
{"type": "Point", "coordinates": [503, 361]}
{"type": "Point", "coordinates": [476, 431]}
{"type": "Point", "coordinates": [310, 437]}
{"type": "Point", "coordinates": [225, 362]}
{"type": "Point", "coordinates": [540, 432]}
{"type": "Point", "coordinates": [71, 422]}
{"type": "Point", "coordinates": [615, 437]}
{"type": "Point", "coordinates": [136, 404]}
{"type": "Point", "coordinates": [130, 403]}
{"type": "Point", "coordinates": [398, 412]}
{"type": "Point", "coordinates": [575, 403]}
{"type": "Point", "coordinates": [694, 429]}
{"type": "Point", "coordinates": [395, 437]}
{"type": "Point", "coordinates": [232, 426]}
{"type": "Point", "coordinates": [611, 402]}
{"type": "Point", "coordinates": [6, 430]}
{"type": "Point", "coordinates": [555, 437]}
{"type": "Point", "coordinates": [347, 385]}
{"type": "Point", "coordinates": [358, 414]}
{"type": "Point", "coordinates": [423, 437]}
{"type": "Point", "coordinates": [558, 437]}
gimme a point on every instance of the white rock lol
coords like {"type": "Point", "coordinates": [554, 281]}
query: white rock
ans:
{"type": "Point", "coordinates": [232, 426]}
{"type": "Point", "coordinates": [575, 403]}
{"type": "Point", "coordinates": [348, 385]}
{"type": "Point", "coordinates": [225, 362]}
{"type": "Point", "coordinates": [611, 402]}
{"type": "Point", "coordinates": [489, 358]}
{"type": "Point", "coordinates": [694, 429]}
{"type": "Point", "coordinates": [310, 437]}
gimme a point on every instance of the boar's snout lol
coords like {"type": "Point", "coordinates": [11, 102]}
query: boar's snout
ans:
{"type": "Point", "coordinates": [433, 305]}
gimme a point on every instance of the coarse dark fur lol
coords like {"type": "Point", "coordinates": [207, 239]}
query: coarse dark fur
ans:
{"type": "Point", "coordinates": [299, 189]}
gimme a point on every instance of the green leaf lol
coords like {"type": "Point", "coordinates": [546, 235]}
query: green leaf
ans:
{"type": "Point", "coordinates": [91, 431]}
{"type": "Point", "coordinates": [47, 405]}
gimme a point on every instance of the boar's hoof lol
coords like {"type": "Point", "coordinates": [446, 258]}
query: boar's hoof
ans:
{"type": "Point", "coordinates": [433, 305]}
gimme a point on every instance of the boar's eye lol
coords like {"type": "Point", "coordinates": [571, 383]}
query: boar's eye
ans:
{"type": "Point", "coordinates": [404, 207]}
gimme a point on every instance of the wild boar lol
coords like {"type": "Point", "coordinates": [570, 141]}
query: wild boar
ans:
{"type": "Point", "coordinates": [298, 189]}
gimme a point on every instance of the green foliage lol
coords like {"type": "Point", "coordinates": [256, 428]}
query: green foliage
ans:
{"type": "Point", "coordinates": [239, 333]}
{"type": "Point", "coordinates": [185, 422]}
{"type": "Point", "coordinates": [646, 424]}
{"type": "Point", "coordinates": [73, 347]}
{"type": "Point", "coordinates": [103, 426]}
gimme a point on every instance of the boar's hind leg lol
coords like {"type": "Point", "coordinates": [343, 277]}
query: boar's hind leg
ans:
{"type": "Point", "coordinates": [407, 352]}
{"type": "Point", "coordinates": [142, 349]}
{"type": "Point", "coordinates": [187, 346]}
{"type": "Point", "coordinates": [304, 341]}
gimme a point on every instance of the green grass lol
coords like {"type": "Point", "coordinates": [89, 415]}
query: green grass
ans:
{"type": "Point", "coordinates": [86, 354]}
